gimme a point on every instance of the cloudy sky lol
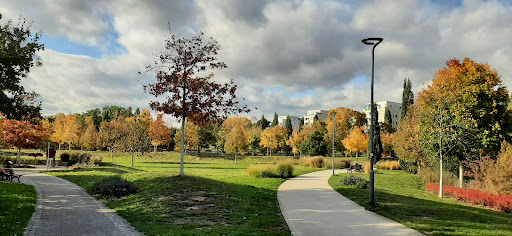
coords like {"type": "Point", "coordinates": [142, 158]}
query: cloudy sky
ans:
{"type": "Point", "coordinates": [287, 56]}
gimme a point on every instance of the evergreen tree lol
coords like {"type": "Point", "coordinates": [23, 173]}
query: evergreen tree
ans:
{"type": "Point", "coordinates": [407, 97]}
{"type": "Point", "coordinates": [377, 143]}
{"type": "Point", "coordinates": [387, 117]}
{"type": "Point", "coordinates": [275, 122]}
{"type": "Point", "coordinates": [301, 123]}
{"type": "Point", "coordinates": [288, 125]}
{"type": "Point", "coordinates": [263, 123]}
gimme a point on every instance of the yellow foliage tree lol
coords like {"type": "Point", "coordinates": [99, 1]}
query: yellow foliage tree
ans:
{"type": "Point", "coordinates": [237, 141]}
{"type": "Point", "coordinates": [356, 141]}
{"type": "Point", "coordinates": [271, 137]}
{"type": "Point", "coordinates": [90, 138]}
{"type": "Point", "coordinates": [387, 142]}
{"type": "Point", "coordinates": [192, 137]}
{"type": "Point", "coordinates": [344, 119]}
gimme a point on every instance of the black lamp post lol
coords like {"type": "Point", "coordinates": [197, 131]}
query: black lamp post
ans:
{"type": "Point", "coordinates": [374, 42]}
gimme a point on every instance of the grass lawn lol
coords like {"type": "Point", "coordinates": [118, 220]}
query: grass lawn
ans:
{"type": "Point", "coordinates": [17, 204]}
{"type": "Point", "coordinates": [401, 196]}
{"type": "Point", "coordinates": [215, 197]}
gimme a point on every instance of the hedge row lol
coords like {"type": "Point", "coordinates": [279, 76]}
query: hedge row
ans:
{"type": "Point", "coordinates": [476, 197]}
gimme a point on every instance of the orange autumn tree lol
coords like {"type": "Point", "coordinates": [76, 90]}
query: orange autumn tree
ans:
{"type": "Point", "coordinates": [356, 141]}
{"type": "Point", "coordinates": [235, 133]}
{"type": "Point", "coordinates": [191, 138]}
{"type": "Point", "coordinates": [344, 119]}
{"type": "Point", "coordinates": [158, 132]}
{"type": "Point", "coordinates": [387, 142]}
{"type": "Point", "coordinates": [272, 137]}
{"type": "Point", "coordinates": [58, 129]}
{"type": "Point", "coordinates": [91, 137]}
{"type": "Point", "coordinates": [237, 141]}
{"type": "Point", "coordinates": [23, 134]}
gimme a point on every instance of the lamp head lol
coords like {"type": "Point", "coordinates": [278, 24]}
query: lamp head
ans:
{"type": "Point", "coordinates": [372, 41]}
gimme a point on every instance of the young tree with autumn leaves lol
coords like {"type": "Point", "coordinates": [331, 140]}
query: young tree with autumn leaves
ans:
{"type": "Point", "coordinates": [191, 139]}
{"type": "Point", "coordinates": [356, 141]}
{"type": "Point", "coordinates": [345, 119]}
{"type": "Point", "coordinates": [234, 131]}
{"type": "Point", "coordinates": [90, 139]}
{"type": "Point", "coordinates": [190, 95]}
{"type": "Point", "coordinates": [158, 132]}
{"type": "Point", "coordinates": [23, 134]}
{"type": "Point", "coordinates": [272, 137]}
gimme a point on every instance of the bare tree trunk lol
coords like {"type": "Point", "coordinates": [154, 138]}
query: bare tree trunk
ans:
{"type": "Point", "coordinates": [154, 149]}
{"type": "Point", "coordinates": [111, 156]}
{"type": "Point", "coordinates": [182, 170]}
{"type": "Point", "coordinates": [461, 179]}
{"type": "Point", "coordinates": [235, 157]}
{"type": "Point", "coordinates": [59, 146]}
{"type": "Point", "coordinates": [132, 158]}
{"type": "Point", "coordinates": [18, 156]}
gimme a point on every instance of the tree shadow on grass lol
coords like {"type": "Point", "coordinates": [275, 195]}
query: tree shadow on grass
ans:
{"type": "Point", "coordinates": [433, 217]}
{"type": "Point", "coordinates": [169, 204]}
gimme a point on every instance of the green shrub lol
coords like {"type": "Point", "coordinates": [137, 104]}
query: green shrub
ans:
{"type": "Point", "coordinates": [352, 180]}
{"type": "Point", "coordinates": [285, 169]}
{"type": "Point", "coordinates": [5, 159]}
{"type": "Point", "coordinates": [259, 171]}
{"type": "Point", "coordinates": [113, 186]}
{"type": "Point", "coordinates": [409, 166]}
{"type": "Point", "coordinates": [74, 158]}
{"type": "Point", "coordinates": [64, 157]}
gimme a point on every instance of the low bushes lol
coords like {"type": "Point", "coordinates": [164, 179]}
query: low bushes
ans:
{"type": "Point", "coordinates": [338, 163]}
{"type": "Point", "coordinates": [475, 197]}
{"type": "Point", "coordinates": [64, 157]}
{"type": "Point", "coordinates": [313, 162]}
{"type": "Point", "coordinates": [431, 175]}
{"type": "Point", "coordinates": [388, 165]}
{"type": "Point", "coordinates": [352, 180]}
{"type": "Point", "coordinates": [113, 186]}
{"type": "Point", "coordinates": [281, 170]}
{"type": "Point", "coordinates": [80, 161]}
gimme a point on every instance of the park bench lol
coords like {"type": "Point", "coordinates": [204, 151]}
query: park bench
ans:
{"type": "Point", "coordinates": [356, 168]}
{"type": "Point", "coordinates": [8, 174]}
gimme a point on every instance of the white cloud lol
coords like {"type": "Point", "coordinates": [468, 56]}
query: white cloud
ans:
{"type": "Point", "coordinates": [309, 51]}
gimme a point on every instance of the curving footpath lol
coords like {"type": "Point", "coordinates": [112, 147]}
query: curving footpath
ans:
{"type": "Point", "coordinates": [63, 208]}
{"type": "Point", "coordinates": [312, 207]}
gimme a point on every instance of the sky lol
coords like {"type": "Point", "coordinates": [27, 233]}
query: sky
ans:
{"type": "Point", "coordinates": [286, 56]}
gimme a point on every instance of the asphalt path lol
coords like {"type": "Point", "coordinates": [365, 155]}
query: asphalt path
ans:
{"type": "Point", "coordinates": [312, 207]}
{"type": "Point", "coordinates": [63, 208]}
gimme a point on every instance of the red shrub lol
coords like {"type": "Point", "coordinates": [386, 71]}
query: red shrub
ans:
{"type": "Point", "coordinates": [476, 197]}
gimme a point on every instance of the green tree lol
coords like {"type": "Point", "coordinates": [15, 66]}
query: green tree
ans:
{"type": "Point", "coordinates": [288, 125]}
{"type": "Point", "coordinates": [275, 121]}
{"type": "Point", "coordinates": [315, 144]}
{"type": "Point", "coordinates": [262, 123]}
{"type": "Point", "coordinates": [377, 143]}
{"type": "Point", "coordinates": [18, 47]}
{"type": "Point", "coordinates": [301, 123]}
{"type": "Point", "coordinates": [407, 97]}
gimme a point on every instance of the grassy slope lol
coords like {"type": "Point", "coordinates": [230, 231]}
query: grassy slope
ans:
{"type": "Point", "coordinates": [17, 204]}
{"type": "Point", "coordinates": [215, 196]}
{"type": "Point", "coordinates": [401, 197]}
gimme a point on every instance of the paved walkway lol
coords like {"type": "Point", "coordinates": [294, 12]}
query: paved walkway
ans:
{"type": "Point", "coordinates": [311, 207]}
{"type": "Point", "coordinates": [63, 208]}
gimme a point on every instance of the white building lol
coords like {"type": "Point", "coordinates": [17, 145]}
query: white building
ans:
{"type": "Point", "coordinates": [395, 109]}
{"type": "Point", "coordinates": [309, 118]}
{"type": "Point", "coordinates": [281, 120]}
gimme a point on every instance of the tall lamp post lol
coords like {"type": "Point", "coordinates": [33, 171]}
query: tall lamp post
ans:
{"type": "Point", "coordinates": [374, 42]}
{"type": "Point", "coordinates": [333, 120]}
